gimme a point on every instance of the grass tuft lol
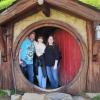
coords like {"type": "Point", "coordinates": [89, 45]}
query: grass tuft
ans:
{"type": "Point", "coordinates": [96, 98]}
{"type": "Point", "coordinates": [2, 93]}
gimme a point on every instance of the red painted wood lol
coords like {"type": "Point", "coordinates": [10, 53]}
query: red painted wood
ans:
{"type": "Point", "coordinates": [71, 56]}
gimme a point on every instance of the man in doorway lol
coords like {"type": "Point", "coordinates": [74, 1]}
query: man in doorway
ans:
{"type": "Point", "coordinates": [27, 50]}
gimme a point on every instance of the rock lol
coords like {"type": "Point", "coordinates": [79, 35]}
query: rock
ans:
{"type": "Point", "coordinates": [33, 96]}
{"type": "Point", "coordinates": [78, 98]}
{"type": "Point", "coordinates": [58, 96]}
{"type": "Point", "coordinates": [92, 95]}
{"type": "Point", "coordinates": [8, 92]}
{"type": "Point", "coordinates": [16, 97]}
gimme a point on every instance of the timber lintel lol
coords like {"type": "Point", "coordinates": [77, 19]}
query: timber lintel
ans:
{"type": "Point", "coordinates": [23, 6]}
{"type": "Point", "coordinates": [76, 9]}
{"type": "Point", "coordinates": [16, 10]}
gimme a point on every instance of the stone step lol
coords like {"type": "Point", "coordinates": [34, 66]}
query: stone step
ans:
{"type": "Point", "coordinates": [49, 96]}
{"type": "Point", "coordinates": [33, 96]}
{"type": "Point", "coordinates": [58, 96]}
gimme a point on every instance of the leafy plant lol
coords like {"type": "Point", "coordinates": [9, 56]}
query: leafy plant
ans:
{"type": "Point", "coordinates": [96, 98]}
{"type": "Point", "coordinates": [6, 3]}
{"type": "Point", "coordinates": [2, 93]}
{"type": "Point", "coordinates": [12, 91]}
{"type": "Point", "coordinates": [95, 3]}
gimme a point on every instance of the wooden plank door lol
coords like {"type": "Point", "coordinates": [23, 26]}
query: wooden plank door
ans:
{"type": "Point", "coordinates": [71, 56]}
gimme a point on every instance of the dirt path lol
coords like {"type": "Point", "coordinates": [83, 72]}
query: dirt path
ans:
{"type": "Point", "coordinates": [4, 98]}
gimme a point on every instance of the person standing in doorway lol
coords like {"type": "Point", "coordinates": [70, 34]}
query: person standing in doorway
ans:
{"type": "Point", "coordinates": [27, 50]}
{"type": "Point", "coordinates": [40, 48]}
{"type": "Point", "coordinates": [52, 56]}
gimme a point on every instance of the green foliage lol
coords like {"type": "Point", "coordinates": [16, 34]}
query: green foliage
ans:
{"type": "Point", "coordinates": [6, 3]}
{"type": "Point", "coordinates": [12, 91]}
{"type": "Point", "coordinates": [2, 93]}
{"type": "Point", "coordinates": [96, 98]}
{"type": "Point", "coordinates": [95, 3]}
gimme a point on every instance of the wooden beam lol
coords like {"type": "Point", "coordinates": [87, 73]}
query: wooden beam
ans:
{"type": "Point", "coordinates": [90, 34]}
{"type": "Point", "coordinates": [1, 42]}
{"type": "Point", "coordinates": [76, 8]}
{"type": "Point", "coordinates": [23, 6]}
{"type": "Point", "coordinates": [3, 46]}
{"type": "Point", "coordinates": [46, 10]}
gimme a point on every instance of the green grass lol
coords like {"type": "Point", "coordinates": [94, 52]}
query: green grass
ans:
{"type": "Point", "coordinates": [96, 98]}
{"type": "Point", "coordinates": [6, 3]}
{"type": "Point", "coordinates": [95, 3]}
{"type": "Point", "coordinates": [2, 93]}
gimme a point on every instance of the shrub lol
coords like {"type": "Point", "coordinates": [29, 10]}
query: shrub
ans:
{"type": "Point", "coordinates": [2, 93]}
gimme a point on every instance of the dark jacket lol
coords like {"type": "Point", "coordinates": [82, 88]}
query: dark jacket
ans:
{"type": "Point", "coordinates": [52, 53]}
{"type": "Point", "coordinates": [40, 62]}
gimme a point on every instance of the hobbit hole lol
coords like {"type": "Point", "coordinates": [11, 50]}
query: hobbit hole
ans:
{"type": "Point", "coordinates": [70, 62]}
{"type": "Point", "coordinates": [78, 21]}
{"type": "Point", "coordinates": [66, 31]}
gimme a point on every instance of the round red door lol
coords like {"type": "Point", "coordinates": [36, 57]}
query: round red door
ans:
{"type": "Point", "coordinates": [71, 56]}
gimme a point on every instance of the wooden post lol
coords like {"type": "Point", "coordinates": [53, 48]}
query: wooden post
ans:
{"type": "Point", "coordinates": [90, 52]}
{"type": "Point", "coordinates": [0, 56]}
{"type": "Point", "coordinates": [6, 77]}
{"type": "Point", "coordinates": [46, 10]}
{"type": "Point", "coordinates": [3, 45]}
{"type": "Point", "coordinates": [93, 72]}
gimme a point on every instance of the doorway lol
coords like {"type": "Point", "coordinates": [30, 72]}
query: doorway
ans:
{"type": "Point", "coordinates": [70, 53]}
{"type": "Point", "coordinates": [71, 46]}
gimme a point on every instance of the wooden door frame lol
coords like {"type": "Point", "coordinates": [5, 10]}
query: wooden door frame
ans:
{"type": "Point", "coordinates": [58, 24]}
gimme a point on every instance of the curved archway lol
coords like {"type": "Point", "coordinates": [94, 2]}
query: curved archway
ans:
{"type": "Point", "coordinates": [71, 33]}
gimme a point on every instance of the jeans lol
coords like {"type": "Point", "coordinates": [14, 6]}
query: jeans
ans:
{"type": "Point", "coordinates": [53, 76]}
{"type": "Point", "coordinates": [30, 72]}
{"type": "Point", "coordinates": [24, 70]}
{"type": "Point", "coordinates": [41, 78]}
{"type": "Point", "coordinates": [41, 62]}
